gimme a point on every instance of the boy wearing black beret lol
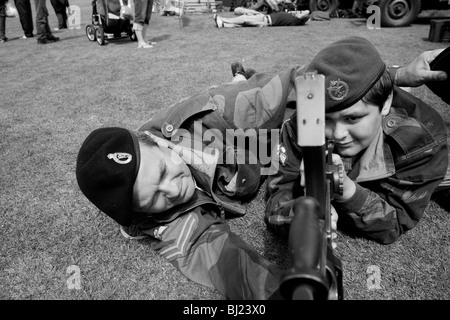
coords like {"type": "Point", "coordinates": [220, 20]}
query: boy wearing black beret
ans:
{"type": "Point", "coordinates": [392, 145]}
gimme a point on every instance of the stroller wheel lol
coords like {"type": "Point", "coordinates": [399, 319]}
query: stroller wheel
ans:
{"type": "Point", "coordinates": [90, 32]}
{"type": "Point", "coordinates": [133, 36]}
{"type": "Point", "coordinates": [100, 34]}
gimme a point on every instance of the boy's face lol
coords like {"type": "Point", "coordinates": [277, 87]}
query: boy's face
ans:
{"type": "Point", "coordinates": [354, 128]}
{"type": "Point", "coordinates": [163, 181]}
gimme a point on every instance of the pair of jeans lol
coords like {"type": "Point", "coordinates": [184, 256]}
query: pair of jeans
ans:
{"type": "Point", "coordinates": [42, 28]}
{"type": "Point", "coordinates": [2, 19]}
{"type": "Point", "coordinates": [25, 15]}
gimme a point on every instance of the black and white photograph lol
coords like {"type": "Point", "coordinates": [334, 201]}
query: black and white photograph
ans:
{"type": "Point", "coordinates": [212, 151]}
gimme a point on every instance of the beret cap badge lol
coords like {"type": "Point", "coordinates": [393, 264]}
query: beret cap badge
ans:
{"type": "Point", "coordinates": [337, 90]}
{"type": "Point", "coordinates": [120, 157]}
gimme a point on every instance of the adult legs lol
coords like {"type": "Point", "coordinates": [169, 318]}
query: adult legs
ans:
{"type": "Point", "coordinates": [60, 11]}
{"type": "Point", "coordinates": [25, 15]}
{"type": "Point", "coordinates": [143, 12]}
{"type": "Point", "coordinates": [244, 11]}
{"type": "Point", "coordinates": [43, 32]}
{"type": "Point", "coordinates": [2, 21]}
{"type": "Point", "coordinates": [241, 21]}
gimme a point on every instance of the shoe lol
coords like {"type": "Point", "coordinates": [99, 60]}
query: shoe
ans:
{"type": "Point", "coordinates": [218, 21]}
{"type": "Point", "coordinates": [52, 38]}
{"type": "Point", "coordinates": [56, 29]}
{"type": "Point", "coordinates": [237, 68]}
{"type": "Point", "coordinates": [27, 36]}
{"type": "Point", "coordinates": [145, 46]}
{"type": "Point", "coordinates": [43, 41]}
{"type": "Point", "coordinates": [3, 40]}
{"type": "Point", "coordinates": [47, 40]}
{"type": "Point", "coordinates": [249, 73]}
{"type": "Point", "coordinates": [303, 15]}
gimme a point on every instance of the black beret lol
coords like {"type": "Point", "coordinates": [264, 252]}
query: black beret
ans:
{"type": "Point", "coordinates": [351, 66]}
{"type": "Point", "coordinates": [106, 169]}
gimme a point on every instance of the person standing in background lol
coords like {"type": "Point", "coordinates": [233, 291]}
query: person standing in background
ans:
{"type": "Point", "coordinates": [61, 7]}
{"type": "Point", "coordinates": [26, 18]}
{"type": "Point", "coordinates": [3, 37]}
{"type": "Point", "coordinates": [142, 14]}
{"type": "Point", "coordinates": [43, 32]}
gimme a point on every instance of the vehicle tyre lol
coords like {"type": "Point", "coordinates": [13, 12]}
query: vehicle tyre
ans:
{"type": "Point", "coordinates": [90, 32]}
{"type": "Point", "coordinates": [328, 6]}
{"type": "Point", "coordinates": [399, 13]}
{"type": "Point", "coordinates": [100, 36]}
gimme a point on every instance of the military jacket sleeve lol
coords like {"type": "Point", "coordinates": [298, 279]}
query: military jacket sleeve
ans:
{"type": "Point", "coordinates": [258, 103]}
{"type": "Point", "coordinates": [284, 186]}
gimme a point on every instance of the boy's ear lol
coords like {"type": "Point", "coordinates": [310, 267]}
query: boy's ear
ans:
{"type": "Point", "coordinates": [387, 105]}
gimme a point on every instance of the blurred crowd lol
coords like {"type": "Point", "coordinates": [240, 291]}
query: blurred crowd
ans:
{"type": "Point", "coordinates": [22, 9]}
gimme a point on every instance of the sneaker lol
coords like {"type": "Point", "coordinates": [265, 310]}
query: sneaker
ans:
{"type": "Point", "coordinates": [26, 37]}
{"type": "Point", "coordinates": [3, 40]}
{"type": "Point", "coordinates": [145, 46]}
{"type": "Point", "coordinates": [218, 20]}
{"type": "Point", "coordinates": [237, 68]}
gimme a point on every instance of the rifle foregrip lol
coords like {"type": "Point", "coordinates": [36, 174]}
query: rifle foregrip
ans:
{"type": "Point", "coordinates": [306, 280]}
{"type": "Point", "coordinates": [305, 236]}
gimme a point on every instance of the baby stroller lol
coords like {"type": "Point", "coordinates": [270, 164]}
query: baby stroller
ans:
{"type": "Point", "coordinates": [107, 22]}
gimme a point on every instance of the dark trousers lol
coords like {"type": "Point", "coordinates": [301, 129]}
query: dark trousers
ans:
{"type": "Point", "coordinates": [2, 19]}
{"type": "Point", "coordinates": [60, 10]}
{"type": "Point", "coordinates": [25, 15]}
{"type": "Point", "coordinates": [42, 27]}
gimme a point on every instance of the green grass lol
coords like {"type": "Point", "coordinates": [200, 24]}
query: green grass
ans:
{"type": "Point", "coordinates": [53, 96]}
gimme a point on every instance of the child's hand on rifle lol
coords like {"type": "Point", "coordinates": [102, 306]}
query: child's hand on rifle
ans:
{"type": "Point", "coordinates": [349, 186]}
{"type": "Point", "coordinates": [334, 220]}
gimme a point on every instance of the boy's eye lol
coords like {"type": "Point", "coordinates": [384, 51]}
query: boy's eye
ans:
{"type": "Point", "coordinates": [353, 118]}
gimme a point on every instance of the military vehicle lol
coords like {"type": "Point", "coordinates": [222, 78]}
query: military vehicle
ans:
{"type": "Point", "coordinates": [394, 13]}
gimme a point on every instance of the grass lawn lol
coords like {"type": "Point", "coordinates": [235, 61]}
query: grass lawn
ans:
{"type": "Point", "coordinates": [52, 96]}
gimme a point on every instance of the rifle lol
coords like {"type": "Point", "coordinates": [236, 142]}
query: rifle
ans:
{"type": "Point", "coordinates": [316, 273]}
